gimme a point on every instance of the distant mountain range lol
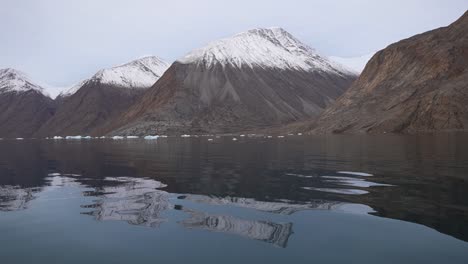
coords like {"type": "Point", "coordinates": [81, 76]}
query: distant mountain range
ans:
{"type": "Point", "coordinates": [355, 63]}
{"type": "Point", "coordinates": [259, 80]}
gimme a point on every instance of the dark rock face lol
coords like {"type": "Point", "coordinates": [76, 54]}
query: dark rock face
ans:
{"type": "Point", "coordinates": [416, 85]}
{"type": "Point", "coordinates": [22, 113]}
{"type": "Point", "coordinates": [84, 112]}
{"type": "Point", "coordinates": [193, 98]}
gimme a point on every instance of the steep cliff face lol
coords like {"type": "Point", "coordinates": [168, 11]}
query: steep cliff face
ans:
{"type": "Point", "coordinates": [23, 105]}
{"type": "Point", "coordinates": [259, 78]}
{"type": "Point", "coordinates": [418, 84]}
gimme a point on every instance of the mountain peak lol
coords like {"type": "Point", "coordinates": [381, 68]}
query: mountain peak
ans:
{"type": "Point", "coordinates": [12, 80]}
{"type": "Point", "coordinates": [262, 47]}
{"type": "Point", "coordinates": [139, 73]}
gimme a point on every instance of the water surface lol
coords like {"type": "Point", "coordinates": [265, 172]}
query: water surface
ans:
{"type": "Point", "coordinates": [297, 199]}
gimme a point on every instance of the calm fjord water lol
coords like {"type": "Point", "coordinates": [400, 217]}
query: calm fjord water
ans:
{"type": "Point", "coordinates": [330, 199]}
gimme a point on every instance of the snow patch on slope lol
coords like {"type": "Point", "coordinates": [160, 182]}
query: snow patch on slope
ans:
{"type": "Point", "coordinates": [263, 47]}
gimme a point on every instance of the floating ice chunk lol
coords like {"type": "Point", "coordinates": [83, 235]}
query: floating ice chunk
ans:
{"type": "Point", "coordinates": [73, 137]}
{"type": "Point", "coordinates": [54, 174]}
{"type": "Point", "coordinates": [88, 137]}
{"type": "Point", "coordinates": [242, 136]}
{"type": "Point", "coordinates": [151, 137]}
{"type": "Point", "coordinates": [290, 134]}
{"type": "Point", "coordinates": [234, 139]}
{"type": "Point", "coordinates": [280, 136]}
{"type": "Point", "coordinates": [269, 136]}
{"type": "Point", "coordinates": [19, 138]}
{"type": "Point", "coordinates": [117, 137]}
{"type": "Point", "coordinates": [363, 174]}
{"type": "Point", "coordinates": [57, 137]}
{"type": "Point", "coordinates": [103, 137]}
{"type": "Point", "coordinates": [210, 139]}
{"type": "Point", "coordinates": [299, 134]}
{"type": "Point", "coordinates": [337, 190]}
{"type": "Point", "coordinates": [133, 137]}
{"type": "Point", "coordinates": [185, 136]}
{"type": "Point", "coordinates": [163, 136]}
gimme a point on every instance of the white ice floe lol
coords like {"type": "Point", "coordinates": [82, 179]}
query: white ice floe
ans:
{"type": "Point", "coordinates": [133, 137]}
{"type": "Point", "coordinates": [117, 137]}
{"type": "Point", "coordinates": [280, 136]}
{"type": "Point", "coordinates": [363, 174]}
{"type": "Point", "coordinates": [57, 137]}
{"type": "Point", "coordinates": [185, 136]}
{"type": "Point", "coordinates": [234, 139]}
{"type": "Point", "coordinates": [19, 138]}
{"type": "Point", "coordinates": [210, 139]}
{"type": "Point", "coordinates": [73, 137]}
{"type": "Point", "coordinates": [242, 135]}
{"type": "Point", "coordinates": [151, 137]}
{"type": "Point", "coordinates": [299, 134]}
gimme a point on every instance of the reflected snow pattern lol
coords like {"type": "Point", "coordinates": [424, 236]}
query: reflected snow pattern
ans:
{"type": "Point", "coordinates": [13, 198]}
{"type": "Point", "coordinates": [140, 201]}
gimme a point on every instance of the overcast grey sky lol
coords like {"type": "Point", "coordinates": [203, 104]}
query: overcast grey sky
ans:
{"type": "Point", "coordinates": [62, 41]}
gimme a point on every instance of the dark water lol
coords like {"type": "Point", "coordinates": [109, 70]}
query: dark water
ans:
{"type": "Point", "coordinates": [334, 199]}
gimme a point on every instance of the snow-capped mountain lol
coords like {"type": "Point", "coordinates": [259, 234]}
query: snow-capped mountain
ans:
{"type": "Point", "coordinates": [260, 78]}
{"type": "Point", "coordinates": [12, 80]}
{"type": "Point", "coordinates": [91, 103]}
{"type": "Point", "coordinates": [355, 63]}
{"type": "Point", "coordinates": [24, 105]}
{"type": "Point", "coordinates": [263, 47]}
{"type": "Point", "coordinates": [140, 73]}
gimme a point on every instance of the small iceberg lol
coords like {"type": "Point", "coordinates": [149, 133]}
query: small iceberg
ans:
{"type": "Point", "coordinates": [19, 138]}
{"type": "Point", "coordinates": [151, 137]}
{"type": "Point", "coordinates": [163, 136]}
{"type": "Point", "coordinates": [57, 137]}
{"type": "Point", "coordinates": [234, 139]}
{"type": "Point", "coordinates": [88, 137]}
{"type": "Point", "coordinates": [210, 139]}
{"type": "Point", "coordinates": [73, 137]}
{"type": "Point", "coordinates": [185, 136]}
{"type": "Point", "coordinates": [117, 137]}
{"type": "Point", "coordinates": [299, 134]}
{"type": "Point", "coordinates": [103, 137]}
{"type": "Point", "coordinates": [133, 137]}
{"type": "Point", "coordinates": [280, 136]}
{"type": "Point", "coordinates": [242, 135]}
